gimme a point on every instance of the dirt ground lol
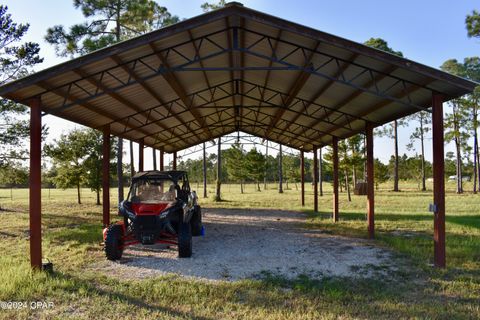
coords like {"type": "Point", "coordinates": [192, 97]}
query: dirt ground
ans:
{"type": "Point", "coordinates": [242, 244]}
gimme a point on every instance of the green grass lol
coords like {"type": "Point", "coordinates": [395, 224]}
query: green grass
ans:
{"type": "Point", "coordinates": [72, 237]}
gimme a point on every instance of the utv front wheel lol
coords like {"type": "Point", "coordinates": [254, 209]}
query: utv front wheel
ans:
{"type": "Point", "coordinates": [185, 240]}
{"type": "Point", "coordinates": [114, 242]}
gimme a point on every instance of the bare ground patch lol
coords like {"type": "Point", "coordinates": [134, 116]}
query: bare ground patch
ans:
{"type": "Point", "coordinates": [246, 243]}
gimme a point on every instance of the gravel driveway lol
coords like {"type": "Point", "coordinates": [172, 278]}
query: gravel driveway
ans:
{"type": "Point", "coordinates": [244, 243]}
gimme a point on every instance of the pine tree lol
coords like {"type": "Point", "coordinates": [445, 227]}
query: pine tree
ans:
{"type": "Point", "coordinates": [108, 22]}
{"type": "Point", "coordinates": [16, 61]}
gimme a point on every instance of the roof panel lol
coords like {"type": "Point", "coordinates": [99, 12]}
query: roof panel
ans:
{"type": "Point", "coordinates": [151, 86]}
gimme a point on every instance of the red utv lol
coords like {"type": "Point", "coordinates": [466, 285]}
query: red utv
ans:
{"type": "Point", "coordinates": [160, 208]}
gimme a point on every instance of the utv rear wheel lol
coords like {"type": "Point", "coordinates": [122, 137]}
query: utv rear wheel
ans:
{"type": "Point", "coordinates": [185, 240]}
{"type": "Point", "coordinates": [114, 242]}
{"type": "Point", "coordinates": [196, 221]}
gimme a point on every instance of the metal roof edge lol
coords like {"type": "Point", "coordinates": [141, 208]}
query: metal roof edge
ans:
{"type": "Point", "coordinates": [466, 84]}
{"type": "Point", "coordinates": [118, 48]}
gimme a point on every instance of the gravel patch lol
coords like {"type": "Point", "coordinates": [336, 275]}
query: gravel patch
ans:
{"type": "Point", "coordinates": [243, 244]}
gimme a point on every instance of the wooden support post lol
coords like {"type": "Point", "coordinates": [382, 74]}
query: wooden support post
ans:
{"type": "Point", "coordinates": [204, 171]}
{"type": "Point", "coordinates": [162, 159]}
{"type": "Point", "coordinates": [174, 161]}
{"type": "Point", "coordinates": [335, 178]}
{"type": "Point", "coordinates": [35, 201]}
{"type": "Point", "coordinates": [315, 180]}
{"type": "Point", "coordinates": [154, 154]}
{"type": "Point", "coordinates": [370, 182]}
{"type": "Point", "coordinates": [106, 175]}
{"type": "Point", "coordinates": [302, 176]}
{"type": "Point", "coordinates": [140, 155]}
{"type": "Point", "coordinates": [438, 181]}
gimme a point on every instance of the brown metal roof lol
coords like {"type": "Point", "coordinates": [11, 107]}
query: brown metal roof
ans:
{"type": "Point", "coordinates": [235, 69]}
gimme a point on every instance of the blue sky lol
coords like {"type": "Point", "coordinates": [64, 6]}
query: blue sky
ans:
{"type": "Point", "coordinates": [426, 31]}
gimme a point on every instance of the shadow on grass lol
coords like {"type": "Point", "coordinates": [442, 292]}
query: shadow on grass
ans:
{"type": "Point", "coordinates": [115, 296]}
{"type": "Point", "coordinates": [472, 221]}
{"type": "Point", "coordinates": [79, 235]}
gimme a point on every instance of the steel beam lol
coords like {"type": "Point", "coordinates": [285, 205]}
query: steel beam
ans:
{"type": "Point", "coordinates": [106, 176]}
{"type": "Point", "coordinates": [302, 176]}
{"type": "Point", "coordinates": [175, 84]}
{"type": "Point", "coordinates": [335, 178]}
{"type": "Point", "coordinates": [162, 160]}
{"type": "Point", "coordinates": [438, 181]}
{"type": "Point", "coordinates": [370, 181]}
{"type": "Point", "coordinates": [204, 171]}
{"type": "Point", "coordinates": [35, 200]}
{"type": "Point", "coordinates": [141, 146]}
{"type": "Point", "coordinates": [280, 169]}
{"type": "Point", "coordinates": [315, 180]}
{"type": "Point", "coordinates": [154, 158]}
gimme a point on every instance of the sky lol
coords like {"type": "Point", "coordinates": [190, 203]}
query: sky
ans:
{"type": "Point", "coordinates": [426, 31]}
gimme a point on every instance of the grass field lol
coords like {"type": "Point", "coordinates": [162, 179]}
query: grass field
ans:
{"type": "Point", "coordinates": [72, 238]}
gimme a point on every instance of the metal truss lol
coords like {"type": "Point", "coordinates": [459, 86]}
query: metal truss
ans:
{"type": "Point", "coordinates": [243, 139]}
{"type": "Point", "coordinates": [88, 87]}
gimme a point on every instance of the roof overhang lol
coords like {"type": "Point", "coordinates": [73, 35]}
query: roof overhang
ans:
{"type": "Point", "coordinates": [236, 69]}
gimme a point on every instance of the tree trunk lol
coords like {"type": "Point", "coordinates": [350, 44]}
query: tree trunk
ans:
{"type": "Point", "coordinates": [347, 185]}
{"type": "Point", "coordinates": [395, 137]}
{"type": "Point", "coordinates": [475, 151]}
{"type": "Point", "coordinates": [424, 187]}
{"type": "Point", "coordinates": [258, 186]}
{"type": "Point", "coordinates": [459, 166]}
{"type": "Point", "coordinates": [241, 187]}
{"type": "Point", "coordinates": [478, 165]}
{"type": "Point", "coordinates": [78, 194]}
{"type": "Point", "coordinates": [98, 197]}
{"type": "Point", "coordinates": [296, 186]}
{"type": "Point", "coordinates": [354, 176]}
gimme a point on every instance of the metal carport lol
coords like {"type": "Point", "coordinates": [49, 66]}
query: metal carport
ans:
{"type": "Point", "coordinates": [237, 69]}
